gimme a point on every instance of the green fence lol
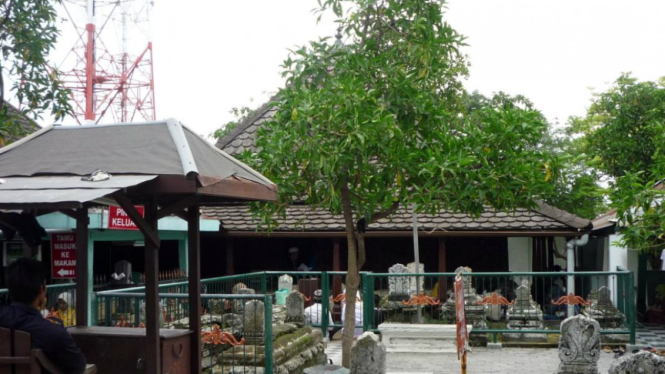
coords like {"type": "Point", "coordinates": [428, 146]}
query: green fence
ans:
{"type": "Point", "coordinates": [65, 291]}
{"type": "Point", "coordinates": [529, 302]}
{"type": "Point", "coordinates": [226, 322]}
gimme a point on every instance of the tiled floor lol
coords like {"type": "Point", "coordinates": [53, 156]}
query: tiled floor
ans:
{"type": "Point", "coordinates": [650, 334]}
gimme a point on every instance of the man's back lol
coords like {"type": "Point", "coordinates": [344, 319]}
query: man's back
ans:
{"type": "Point", "coordinates": [54, 341]}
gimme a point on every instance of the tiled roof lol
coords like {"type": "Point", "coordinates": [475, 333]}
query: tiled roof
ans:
{"type": "Point", "coordinates": [243, 137]}
{"type": "Point", "coordinates": [303, 218]}
{"type": "Point", "coordinates": [27, 124]}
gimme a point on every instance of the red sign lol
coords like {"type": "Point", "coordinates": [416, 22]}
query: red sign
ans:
{"type": "Point", "coordinates": [63, 256]}
{"type": "Point", "coordinates": [119, 220]}
{"type": "Point", "coordinates": [462, 334]}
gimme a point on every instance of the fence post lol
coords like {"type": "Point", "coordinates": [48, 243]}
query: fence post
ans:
{"type": "Point", "coordinates": [368, 301]}
{"type": "Point", "coordinates": [325, 303]}
{"type": "Point", "coordinates": [264, 283]}
{"type": "Point", "coordinates": [631, 306]}
{"type": "Point", "coordinates": [267, 302]}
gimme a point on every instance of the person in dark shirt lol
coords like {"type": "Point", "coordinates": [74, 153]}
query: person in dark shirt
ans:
{"type": "Point", "coordinates": [27, 290]}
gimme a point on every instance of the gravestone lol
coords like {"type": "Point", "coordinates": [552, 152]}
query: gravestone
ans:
{"type": "Point", "coordinates": [285, 282]}
{"type": "Point", "coordinates": [368, 355]}
{"type": "Point", "coordinates": [608, 317]}
{"type": "Point", "coordinates": [238, 286]}
{"type": "Point", "coordinates": [254, 322]}
{"type": "Point", "coordinates": [641, 362]}
{"type": "Point", "coordinates": [238, 305]}
{"type": "Point", "coordinates": [162, 310]}
{"type": "Point", "coordinates": [579, 346]}
{"type": "Point", "coordinates": [524, 314]}
{"type": "Point", "coordinates": [398, 286]}
{"type": "Point", "coordinates": [475, 312]}
{"type": "Point", "coordinates": [413, 286]}
{"type": "Point", "coordinates": [295, 309]}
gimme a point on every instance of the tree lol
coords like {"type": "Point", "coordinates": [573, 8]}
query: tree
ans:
{"type": "Point", "coordinates": [622, 124]}
{"type": "Point", "coordinates": [240, 114]}
{"type": "Point", "coordinates": [364, 127]}
{"type": "Point", "coordinates": [28, 32]}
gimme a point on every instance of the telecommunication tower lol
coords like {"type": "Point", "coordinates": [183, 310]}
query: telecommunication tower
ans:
{"type": "Point", "coordinates": [109, 69]}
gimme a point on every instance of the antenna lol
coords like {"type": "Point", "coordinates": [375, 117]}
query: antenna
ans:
{"type": "Point", "coordinates": [109, 69]}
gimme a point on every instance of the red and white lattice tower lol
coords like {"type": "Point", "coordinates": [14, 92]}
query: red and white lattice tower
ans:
{"type": "Point", "coordinates": [109, 70]}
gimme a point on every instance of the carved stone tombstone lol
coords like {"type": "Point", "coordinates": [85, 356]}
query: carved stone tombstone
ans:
{"type": "Point", "coordinates": [253, 322]}
{"type": "Point", "coordinates": [579, 346]}
{"type": "Point", "coordinates": [413, 286]}
{"type": "Point", "coordinates": [285, 282]}
{"type": "Point", "coordinates": [609, 317]}
{"type": "Point", "coordinates": [524, 314]}
{"type": "Point", "coordinates": [639, 363]}
{"type": "Point", "coordinates": [398, 286]}
{"type": "Point", "coordinates": [295, 309]}
{"type": "Point", "coordinates": [162, 310]}
{"type": "Point", "coordinates": [368, 355]}
{"type": "Point", "coordinates": [475, 312]}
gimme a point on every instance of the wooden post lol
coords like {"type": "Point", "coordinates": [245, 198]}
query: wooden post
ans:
{"type": "Point", "coordinates": [336, 259]}
{"type": "Point", "coordinates": [443, 286]}
{"type": "Point", "coordinates": [464, 363]}
{"type": "Point", "coordinates": [82, 273]}
{"type": "Point", "coordinates": [336, 309]}
{"type": "Point", "coordinates": [153, 353]}
{"type": "Point", "coordinates": [229, 256]}
{"type": "Point", "coordinates": [194, 264]}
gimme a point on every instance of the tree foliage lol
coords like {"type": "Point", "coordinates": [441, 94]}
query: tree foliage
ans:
{"type": "Point", "coordinates": [28, 33]}
{"type": "Point", "coordinates": [624, 132]}
{"type": "Point", "coordinates": [240, 114]}
{"type": "Point", "coordinates": [363, 127]}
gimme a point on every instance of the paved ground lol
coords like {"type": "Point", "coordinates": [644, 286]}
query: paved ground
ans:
{"type": "Point", "coordinates": [480, 361]}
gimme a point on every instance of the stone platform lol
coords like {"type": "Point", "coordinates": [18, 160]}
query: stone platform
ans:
{"type": "Point", "coordinates": [406, 338]}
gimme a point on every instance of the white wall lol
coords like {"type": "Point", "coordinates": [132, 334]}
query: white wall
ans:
{"type": "Point", "coordinates": [560, 243]}
{"type": "Point", "coordinates": [519, 254]}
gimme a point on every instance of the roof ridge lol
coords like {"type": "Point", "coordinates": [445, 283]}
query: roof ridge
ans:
{"type": "Point", "coordinates": [182, 147]}
{"type": "Point", "coordinates": [563, 216]}
{"type": "Point", "coordinates": [246, 123]}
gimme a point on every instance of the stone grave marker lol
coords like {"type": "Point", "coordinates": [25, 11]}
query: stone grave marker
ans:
{"type": "Point", "coordinates": [285, 282]}
{"type": "Point", "coordinates": [368, 355]}
{"type": "Point", "coordinates": [295, 309]}
{"type": "Point", "coordinates": [413, 286]}
{"type": "Point", "coordinates": [254, 322]}
{"type": "Point", "coordinates": [398, 286]}
{"type": "Point", "coordinates": [579, 346]}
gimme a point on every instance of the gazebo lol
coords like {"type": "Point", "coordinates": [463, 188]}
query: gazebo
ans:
{"type": "Point", "coordinates": [163, 166]}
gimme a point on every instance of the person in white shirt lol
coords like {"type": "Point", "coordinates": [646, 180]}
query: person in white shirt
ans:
{"type": "Point", "coordinates": [314, 312]}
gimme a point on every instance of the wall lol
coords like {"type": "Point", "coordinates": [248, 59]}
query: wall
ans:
{"type": "Point", "coordinates": [519, 254]}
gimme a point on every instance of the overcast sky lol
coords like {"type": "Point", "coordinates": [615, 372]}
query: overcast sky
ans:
{"type": "Point", "coordinates": [212, 55]}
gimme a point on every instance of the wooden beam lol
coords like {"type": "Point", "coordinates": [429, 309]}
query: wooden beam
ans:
{"type": "Point", "coordinates": [194, 239]}
{"type": "Point", "coordinates": [149, 231]}
{"type": "Point", "coordinates": [178, 207]}
{"type": "Point", "coordinates": [82, 274]}
{"type": "Point", "coordinates": [402, 234]}
{"type": "Point", "coordinates": [443, 287]}
{"type": "Point", "coordinates": [240, 189]}
{"type": "Point", "coordinates": [153, 352]}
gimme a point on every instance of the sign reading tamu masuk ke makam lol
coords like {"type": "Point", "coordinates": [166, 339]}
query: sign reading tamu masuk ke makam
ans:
{"type": "Point", "coordinates": [63, 256]}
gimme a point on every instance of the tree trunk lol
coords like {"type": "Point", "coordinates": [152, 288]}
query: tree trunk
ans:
{"type": "Point", "coordinates": [352, 277]}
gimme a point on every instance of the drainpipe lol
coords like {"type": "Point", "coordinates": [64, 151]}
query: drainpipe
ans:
{"type": "Point", "coordinates": [570, 260]}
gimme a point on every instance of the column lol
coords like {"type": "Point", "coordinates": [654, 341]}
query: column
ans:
{"type": "Point", "coordinates": [194, 270]}
{"type": "Point", "coordinates": [153, 353]}
{"type": "Point", "coordinates": [182, 254]}
{"type": "Point", "coordinates": [83, 269]}
{"type": "Point", "coordinates": [229, 256]}
{"type": "Point", "coordinates": [443, 286]}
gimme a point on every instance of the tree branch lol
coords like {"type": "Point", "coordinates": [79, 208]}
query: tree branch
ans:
{"type": "Point", "coordinates": [384, 214]}
{"type": "Point", "coordinates": [7, 12]}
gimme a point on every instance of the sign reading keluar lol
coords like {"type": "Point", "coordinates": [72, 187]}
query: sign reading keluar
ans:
{"type": "Point", "coordinates": [119, 220]}
{"type": "Point", "coordinates": [63, 256]}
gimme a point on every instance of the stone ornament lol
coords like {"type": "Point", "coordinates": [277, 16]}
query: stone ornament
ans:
{"type": "Point", "coordinates": [640, 362]}
{"type": "Point", "coordinates": [368, 355]}
{"type": "Point", "coordinates": [579, 346]}
{"type": "Point", "coordinates": [295, 309]}
{"type": "Point", "coordinates": [524, 314]}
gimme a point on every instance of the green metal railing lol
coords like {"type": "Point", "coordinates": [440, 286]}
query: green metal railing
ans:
{"type": "Point", "coordinates": [53, 292]}
{"type": "Point", "coordinates": [542, 316]}
{"type": "Point", "coordinates": [124, 310]}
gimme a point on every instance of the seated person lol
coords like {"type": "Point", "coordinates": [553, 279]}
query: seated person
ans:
{"type": "Point", "coordinates": [314, 312]}
{"type": "Point", "coordinates": [27, 289]}
{"type": "Point", "coordinates": [64, 309]}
